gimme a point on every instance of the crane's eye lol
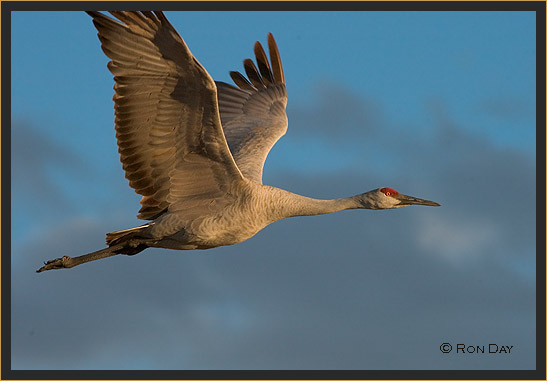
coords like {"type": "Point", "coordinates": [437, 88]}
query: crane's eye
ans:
{"type": "Point", "coordinates": [389, 191]}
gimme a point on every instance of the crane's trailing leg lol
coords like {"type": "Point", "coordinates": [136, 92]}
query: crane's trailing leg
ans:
{"type": "Point", "coordinates": [67, 262]}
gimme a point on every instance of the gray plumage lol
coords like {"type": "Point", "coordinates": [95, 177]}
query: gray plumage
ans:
{"type": "Point", "coordinates": [193, 148]}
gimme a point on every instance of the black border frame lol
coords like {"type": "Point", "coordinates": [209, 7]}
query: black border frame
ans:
{"type": "Point", "coordinates": [538, 374]}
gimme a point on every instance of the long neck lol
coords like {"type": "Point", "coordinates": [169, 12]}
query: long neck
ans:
{"type": "Point", "coordinates": [306, 206]}
{"type": "Point", "coordinates": [288, 204]}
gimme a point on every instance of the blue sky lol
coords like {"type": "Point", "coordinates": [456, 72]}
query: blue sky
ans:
{"type": "Point", "coordinates": [439, 105]}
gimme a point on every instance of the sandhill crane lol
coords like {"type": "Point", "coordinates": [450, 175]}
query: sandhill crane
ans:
{"type": "Point", "coordinates": [194, 148]}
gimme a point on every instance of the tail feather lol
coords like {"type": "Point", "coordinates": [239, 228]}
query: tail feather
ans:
{"type": "Point", "coordinates": [116, 237]}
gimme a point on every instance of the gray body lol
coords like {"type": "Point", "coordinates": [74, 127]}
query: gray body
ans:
{"type": "Point", "coordinates": [255, 207]}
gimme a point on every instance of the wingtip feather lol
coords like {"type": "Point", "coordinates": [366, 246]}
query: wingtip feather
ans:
{"type": "Point", "coordinates": [263, 64]}
{"type": "Point", "coordinates": [252, 73]}
{"type": "Point", "coordinates": [275, 59]}
{"type": "Point", "coordinates": [242, 82]}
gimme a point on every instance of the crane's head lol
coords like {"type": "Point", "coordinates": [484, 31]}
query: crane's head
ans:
{"type": "Point", "coordinates": [389, 198]}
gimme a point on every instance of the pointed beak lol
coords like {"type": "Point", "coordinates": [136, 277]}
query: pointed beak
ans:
{"type": "Point", "coordinates": [409, 200]}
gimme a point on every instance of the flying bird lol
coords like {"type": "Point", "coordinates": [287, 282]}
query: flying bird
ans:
{"type": "Point", "coordinates": [193, 148]}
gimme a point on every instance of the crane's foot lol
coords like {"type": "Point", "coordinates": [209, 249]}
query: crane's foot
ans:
{"type": "Point", "coordinates": [59, 263]}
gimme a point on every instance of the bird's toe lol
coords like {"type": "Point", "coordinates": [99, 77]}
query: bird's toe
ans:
{"type": "Point", "coordinates": [58, 263]}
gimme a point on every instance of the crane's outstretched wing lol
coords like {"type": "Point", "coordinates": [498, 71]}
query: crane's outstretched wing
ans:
{"type": "Point", "coordinates": [168, 128]}
{"type": "Point", "coordinates": [253, 115]}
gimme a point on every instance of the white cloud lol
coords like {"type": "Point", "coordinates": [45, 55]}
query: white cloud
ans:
{"type": "Point", "coordinates": [457, 240]}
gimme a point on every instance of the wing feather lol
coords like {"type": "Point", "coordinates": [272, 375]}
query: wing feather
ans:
{"type": "Point", "coordinates": [168, 127]}
{"type": "Point", "coordinates": [253, 74]}
{"type": "Point", "coordinates": [253, 115]}
{"type": "Point", "coordinates": [241, 81]}
{"type": "Point", "coordinates": [276, 60]}
{"type": "Point", "coordinates": [263, 64]}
